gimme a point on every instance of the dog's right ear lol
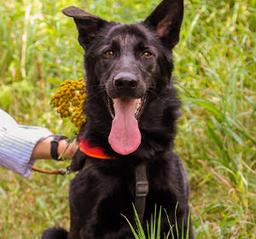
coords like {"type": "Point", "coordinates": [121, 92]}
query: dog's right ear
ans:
{"type": "Point", "coordinates": [87, 24]}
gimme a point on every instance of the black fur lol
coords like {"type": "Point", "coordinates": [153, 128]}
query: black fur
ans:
{"type": "Point", "coordinates": [57, 233]}
{"type": "Point", "coordinates": [101, 193]}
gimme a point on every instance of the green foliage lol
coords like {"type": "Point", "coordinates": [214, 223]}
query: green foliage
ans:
{"type": "Point", "coordinates": [153, 227]}
{"type": "Point", "coordinates": [215, 75]}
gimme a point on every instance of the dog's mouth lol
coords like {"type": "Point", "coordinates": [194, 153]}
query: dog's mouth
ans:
{"type": "Point", "coordinates": [140, 103]}
{"type": "Point", "coordinates": [125, 136]}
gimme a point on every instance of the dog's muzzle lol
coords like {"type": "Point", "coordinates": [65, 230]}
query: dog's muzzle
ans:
{"type": "Point", "coordinates": [126, 85]}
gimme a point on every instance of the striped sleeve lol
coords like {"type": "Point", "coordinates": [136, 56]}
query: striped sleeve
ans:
{"type": "Point", "coordinates": [16, 146]}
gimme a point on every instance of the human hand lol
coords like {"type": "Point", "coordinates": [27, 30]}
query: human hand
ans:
{"type": "Point", "coordinates": [66, 149]}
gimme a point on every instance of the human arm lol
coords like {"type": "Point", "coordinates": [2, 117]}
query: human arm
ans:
{"type": "Point", "coordinates": [43, 148]}
{"type": "Point", "coordinates": [21, 145]}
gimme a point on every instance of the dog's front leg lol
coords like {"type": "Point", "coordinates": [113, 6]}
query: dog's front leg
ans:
{"type": "Point", "coordinates": [98, 198]}
{"type": "Point", "coordinates": [168, 188]}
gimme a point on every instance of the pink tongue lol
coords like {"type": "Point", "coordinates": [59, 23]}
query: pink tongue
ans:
{"type": "Point", "coordinates": [125, 136]}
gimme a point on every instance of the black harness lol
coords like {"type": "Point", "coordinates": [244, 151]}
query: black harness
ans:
{"type": "Point", "coordinates": [142, 189]}
{"type": "Point", "coordinates": [141, 186]}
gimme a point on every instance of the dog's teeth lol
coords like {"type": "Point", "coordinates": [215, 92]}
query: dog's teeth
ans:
{"type": "Point", "coordinates": [138, 107]}
{"type": "Point", "coordinates": [110, 105]}
{"type": "Point", "coordinates": [138, 104]}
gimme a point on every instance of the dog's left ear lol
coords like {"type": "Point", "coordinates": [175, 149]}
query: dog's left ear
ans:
{"type": "Point", "coordinates": [166, 21]}
{"type": "Point", "coordinates": [87, 24]}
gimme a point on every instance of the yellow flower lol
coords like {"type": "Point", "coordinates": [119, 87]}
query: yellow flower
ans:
{"type": "Point", "coordinates": [69, 100]}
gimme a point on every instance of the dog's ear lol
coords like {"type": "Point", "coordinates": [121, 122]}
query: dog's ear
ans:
{"type": "Point", "coordinates": [87, 24]}
{"type": "Point", "coordinates": [166, 21]}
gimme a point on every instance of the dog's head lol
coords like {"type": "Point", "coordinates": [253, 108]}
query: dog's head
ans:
{"type": "Point", "coordinates": [127, 62]}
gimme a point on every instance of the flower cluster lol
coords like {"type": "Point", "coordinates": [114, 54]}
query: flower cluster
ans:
{"type": "Point", "coordinates": [69, 100]}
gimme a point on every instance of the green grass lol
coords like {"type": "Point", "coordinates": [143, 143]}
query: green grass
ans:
{"type": "Point", "coordinates": [152, 228]}
{"type": "Point", "coordinates": [215, 75]}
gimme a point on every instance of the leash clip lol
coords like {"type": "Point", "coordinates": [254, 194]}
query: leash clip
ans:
{"type": "Point", "coordinates": [67, 171]}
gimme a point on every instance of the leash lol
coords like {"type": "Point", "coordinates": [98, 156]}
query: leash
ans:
{"type": "Point", "coordinates": [62, 171]}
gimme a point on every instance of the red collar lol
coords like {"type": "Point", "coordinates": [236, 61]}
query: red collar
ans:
{"type": "Point", "coordinates": [93, 151]}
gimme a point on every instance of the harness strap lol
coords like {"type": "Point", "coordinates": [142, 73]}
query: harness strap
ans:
{"type": "Point", "coordinates": [142, 189]}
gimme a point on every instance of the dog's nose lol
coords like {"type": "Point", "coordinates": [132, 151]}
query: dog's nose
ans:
{"type": "Point", "coordinates": [125, 81]}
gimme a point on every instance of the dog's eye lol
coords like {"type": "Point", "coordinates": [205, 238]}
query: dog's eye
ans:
{"type": "Point", "coordinates": [147, 54]}
{"type": "Point", "coordinates": [109, 53]}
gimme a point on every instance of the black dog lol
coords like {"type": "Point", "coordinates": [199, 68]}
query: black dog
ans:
{"type": "Point", "coordinates": [131, 111]}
